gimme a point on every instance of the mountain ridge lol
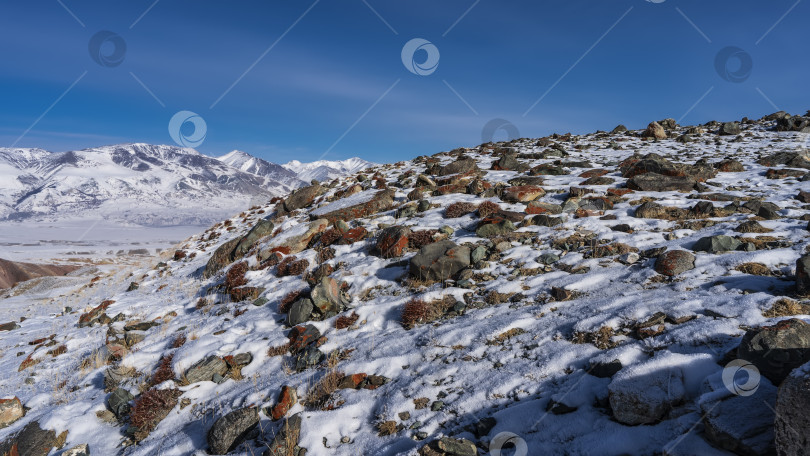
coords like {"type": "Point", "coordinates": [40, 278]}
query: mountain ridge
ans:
{"type": "Point", "coordinates": [139, 183]}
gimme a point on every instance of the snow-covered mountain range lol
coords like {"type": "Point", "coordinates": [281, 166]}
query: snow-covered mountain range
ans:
{"type": "Point", "coordinates": [154, 185]}
{"type": "Point", "coordinates": [325, 170]}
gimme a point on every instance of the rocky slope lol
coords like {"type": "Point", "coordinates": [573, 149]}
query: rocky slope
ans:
{"type": "Point", "coordinates": [12, 272]}
{"type": "Point", "coordinates": [632, 292]}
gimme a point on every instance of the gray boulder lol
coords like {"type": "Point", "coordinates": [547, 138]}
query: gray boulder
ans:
{"type": "Point", "coordinates": [205, 369]}
{"type": "Point", "coordinates": [716, 244]}
{"type": "Point", "coordinates": [261, 229]}
{"type": "Point", "coordinates": [803, 275]}
{"type": "Point", "coordinates": [742, 424]}
{"type": "Point", "coordinates": [300, 312]}
{"type": "Point", "coordinates": [793, 414]}
{"type": "Point", "coordinates": [232, 429]}
{"type": "Point", "coordinates": [778, 349]}
{"type": "Point", "coordinates": [653, 182]}
{"type": "Point", "coordinates": [439, 261]}
{"type": "Point", "coordinates": [328, 298]}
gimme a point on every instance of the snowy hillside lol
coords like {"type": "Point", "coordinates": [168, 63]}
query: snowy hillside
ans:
{"type": "Point", "coordinates": [137, 183]}
{"type": "Point", "coordinates": [635, 292]}
{"type": "Point", "coordinates": [325, 170]}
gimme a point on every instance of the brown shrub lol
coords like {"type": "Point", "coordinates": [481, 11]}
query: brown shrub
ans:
{"type": "Point", "coordinates": [417, 311]}
{"type": "Point", "coordinates": [289, 266]}
{"type": "Point", "coordinates": [459, 209]}
{"type": "Point", "coordinates": [150, 409]}
{"type": "Point", "coordinates": [329, 237]}
{"type": "Point", "coordinates": [326, 254]}
{"type": "Point", "coordinates": [179, 341]}
{"type": "Point", "coordinates": [236, 275]}
{"type": "Point", "coordinates": [164, 371]}
{"type": "Point", "coordinates": [419, 239]}
{"type": "Point", "coordinates": [288, 299]}
{"type": "Point", "coordinates": [278, 351]}
{"type": "Point", "coordinates": [487, 208]}
{"type": "Point", "coordinates": [344, 321]}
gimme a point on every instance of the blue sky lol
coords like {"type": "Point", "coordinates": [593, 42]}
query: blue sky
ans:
{"type": "Point", "coordinates": [326, 79]}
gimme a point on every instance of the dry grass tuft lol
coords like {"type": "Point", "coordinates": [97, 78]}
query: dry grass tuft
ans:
{"type": "Point", "coordinates": [786, 308]}
{"type": "Point", "coordinates": [601, 338]}
{"type": "Point", "coordinates": [757, 269]}
{"type": "Point", "coordinates": [320, 394]}
{"type": "Point", "coordinates": [506, 335]}
{"type": "Point", "coordinates": [417, 311]}
{"type": "Point", "coordinates": [386, 428]}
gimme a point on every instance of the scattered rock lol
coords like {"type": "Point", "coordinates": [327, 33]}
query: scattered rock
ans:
{"type": "Point", "coordinates": [803, 275]}
{"type": "Point", "coordinates": [793, 414]}
{"type": "Point", "coordinates": [742, 424]}
{"type": "Point", "coordinates": [286, 441]}
{"type": "Point", "coordinates": [79, 450]}
{"type": "Point", "coordinates": [778, 349]}
{"type": "Point", "coordinates": [654, 130]}
{"type": "Point", "coordinates": [300, 312]}
{"type": "Point", "coordinates": [364, 206]}
{"type": "Point", "coordinates": [730, 128]}
{"type": "Point", "coordinates": [674, 262]}
{"type": "Point", "coordinates": [286, 400]}
{"type": "Point", "coordinates": [303, 197]}
{"type": "Point", "coordinates": [493, 226]}
{"type": "Point", "coordinates": [32, 440]}
{"type": "Point", "coordinates": [641, 394]}
{"type": "Point", "coordinates": [328, 297]}
{"type": "Point", "coordinates": [716, 244]}
{"type": "Point", "coordinates": [653, 182]}
{"type": "Point", "coordinates": [205, 369]}
{"type": "Point", "coordinates": [392, 241]}
{"type": "Point", "coordinates": [231, 430]}
{"type": "Point", "coordinates": [118, 402]}
{"type": "Point", "coordinates": [522, 193]}
{"type": "Point", "coordinates": [439, 261]}
{"type": "Point", "coordinates": [11, 410]}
